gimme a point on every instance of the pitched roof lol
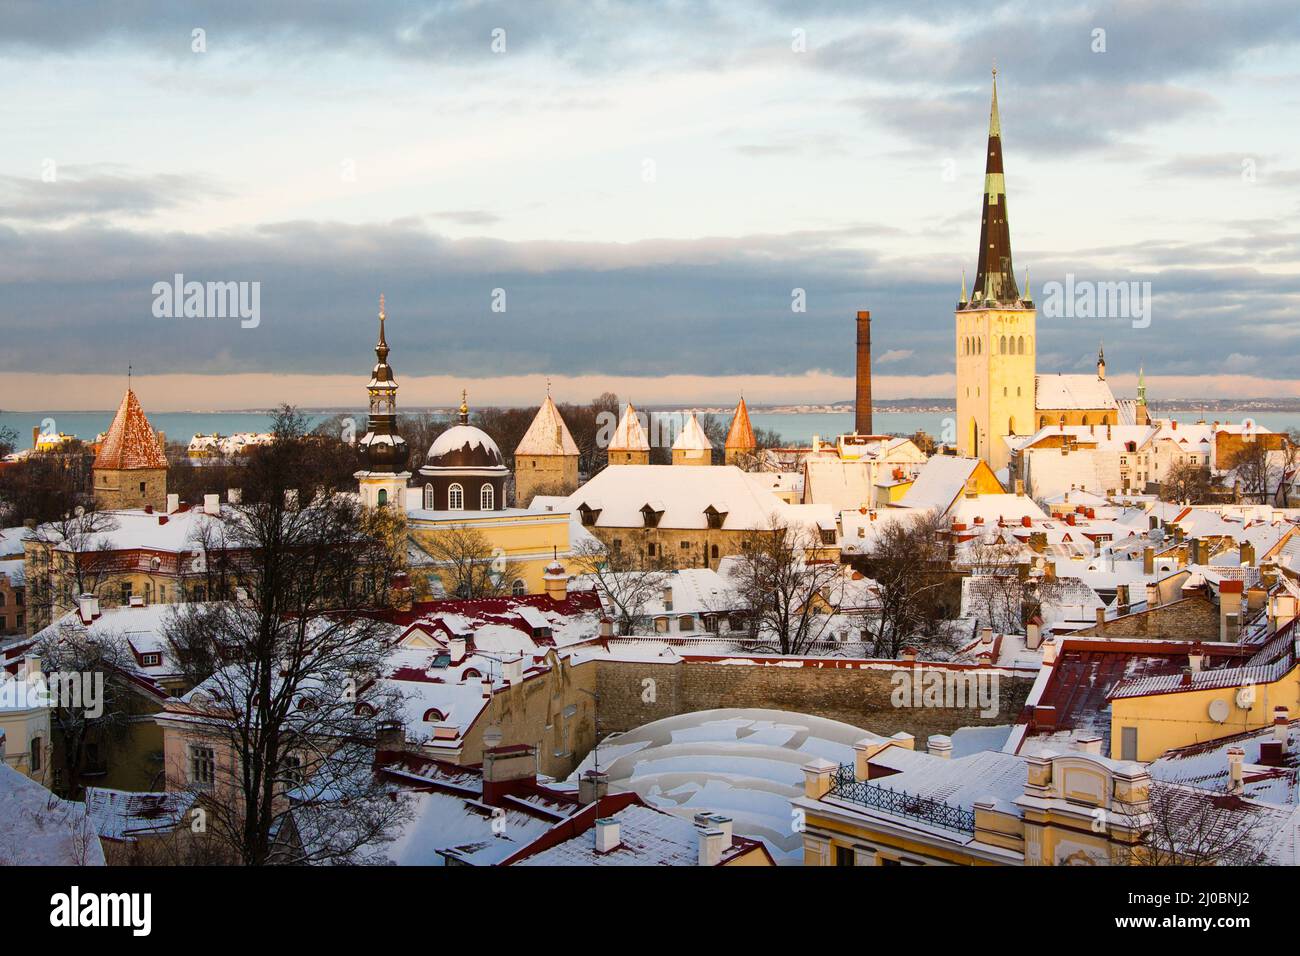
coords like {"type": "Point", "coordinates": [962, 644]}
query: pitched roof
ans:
{"type": "Point", "coordinates": [692, 437]}
{"type": "Point", "coordinates": [547, 435]}
{"type": "Point", "coordinates": [1060, 391]}
{"type": "Point", "coordinates": [629, 436]}
{"type": "Point", "coordinates": [740, 435]}
{"type": "Point", "coordinates": [130, 442]}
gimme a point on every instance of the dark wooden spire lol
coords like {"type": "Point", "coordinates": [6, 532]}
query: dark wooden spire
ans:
{"type": "Point", "coordinates": [995, 278]}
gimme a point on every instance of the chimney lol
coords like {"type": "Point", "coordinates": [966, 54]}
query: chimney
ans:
{"type": "Point", "coordinates": [1196, 659]}
{"type": "Point", "coordinates": [1148, 560]}
{"type": "Point", "coordinates": [1230, 593]}
{"type": "Point", "coordinates": [862, 404]}
{"type": "Point", "coordinates": [817, 778]}
{"type": "Point", "coordinates": [712, 845]}
{"type": "Point", "coordinates": [940, 746]}
{"type": "Point", "coordinates": [1049, 650]}
{"type": "Point", "coordinates": [1235, 779]}
{"type": "Point", "coordinates": [556, 581]}
{"type": "Point", "coordinates": [607, 835]}
{"type": "Point", "coordinates": [36, 435]}
{"type": "Point", "coordinates": [88, 606]}
{"type": "Point", "coordinates": [1101, 618]}
{"type": "Point", "coordinates": [606, 627]}
{"type": "Point", "coordinates": [592, 786]}
{"type": "Point", "coordinates": [390, 735]}
{"type": "Point", "coordinates": [986, 636]}
{"type": "Point", "coordinates": [1153, 596]}
{"type": "Point", "coordinates": [1088, 744]}
{"type": "Point", "coordinates": [31, 665]}
{"type": "Point", "coordinates": [1020, 487]}
{"type": "Point", "coordinates": [173, 504]}
{"type": "Point", "coordinates": [1247, 554]}
{"type": "Point", "coordinates": [1033, 634]}
{"type": "Point", "coordinates": [668, 597]}
{"type": "Point", "coordinates": [456, 649]}
{"type": "Point", "coordinates": [233, 495]}
{"type": "Point", "coordinates": [505, 769]}
{"type": "Point", "coordinates": [1281, 725]}
{"type": "Point", "coordinates": [1122, 598]}
{"type": "Point", "coordinates": [212, 504]}
{"type": "Point", "coordinates": [512, 671]}
{"type": "Point", "coordinates": [1194, 551]}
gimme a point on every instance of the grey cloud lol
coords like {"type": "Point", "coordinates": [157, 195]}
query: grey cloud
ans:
{"type": "Point", "coordinates": [100, 190]}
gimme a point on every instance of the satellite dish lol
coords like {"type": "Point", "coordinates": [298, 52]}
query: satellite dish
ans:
{"type": "Point", "coordinates": [492, 737]}
{"type": "Point", "coordinates": [1218, 711]}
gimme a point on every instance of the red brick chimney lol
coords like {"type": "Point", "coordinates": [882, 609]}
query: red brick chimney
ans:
{"type": "Point", "coordinates": [862, 405]}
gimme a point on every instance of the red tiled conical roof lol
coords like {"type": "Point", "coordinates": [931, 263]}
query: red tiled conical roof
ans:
{"type": "Point", "coordinates": [741, 434]}
{"type": "Point", "coordinates": [130, 442]}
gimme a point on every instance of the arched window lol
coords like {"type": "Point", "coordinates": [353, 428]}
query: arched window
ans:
{"type": "Point", "coordinates": [383, 497]}
{"type": "Point", "coordinates": [1011, 426]}
{"type": "Point", "coordinates": [1085, 419]}
{"type": "Point", "coordinates": [471, 673]}
{"type": "Point", "coordinates": [428, 498]}
{"type": "Point", "coordinates": [434, 716]}
{"type": "Point", "coordinates": [1020, 345]}
{"type": "Point", "coordinates": [486, 498]}
{"type": "Point", "coordinates": [519, 588]}
{"type": "Point", "coordinates": [456, 498]}
{"type": "Point", "coordinates": [1042, 421]}
{"type": "Point", "coordinates": [1002, 345]}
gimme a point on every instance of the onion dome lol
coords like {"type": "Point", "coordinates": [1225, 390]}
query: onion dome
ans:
{"type": "Point", "coordinates": [464, 446]}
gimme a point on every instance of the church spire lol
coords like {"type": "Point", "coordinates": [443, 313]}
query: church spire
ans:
{"type": "Point", "coordinates": [995, 278]}
{"type": "Point", "coordinates": [382, 448]}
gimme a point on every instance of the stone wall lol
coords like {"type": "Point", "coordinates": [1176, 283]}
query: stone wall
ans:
{"type": "Point", "coordinates": [632, 694]}
{"type": "Point", "coordinates": [1193, 618]}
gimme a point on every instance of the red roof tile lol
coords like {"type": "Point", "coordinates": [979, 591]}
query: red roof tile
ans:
{"type": "Point", "coordinates": [130, 442]}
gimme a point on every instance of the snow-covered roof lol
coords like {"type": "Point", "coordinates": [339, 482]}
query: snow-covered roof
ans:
{"type": "Point", "coordinates": [39, 829]}
{"type": "Point", "coordinates": [941, 479]}
{"type": "Point", "coordinates": [692, 437]}
{"type": "Point", "coordinates": [684, 494]}
{"type": "Point", "coordinates": [547, 435]}
{"type": "Point", "coordinates": [629, 435]}
{"type": "Point", "coordinates": [11, 540]}
{"type": "Point", "coordinates": [461, 436]}
{"type": "Point", "coordinates": [126, 816]}
{"type": "Point", "coordinates": [1059, 391]}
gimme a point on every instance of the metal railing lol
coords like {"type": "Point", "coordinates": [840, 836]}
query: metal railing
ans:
{"type": "Point", "coordinates": [846, 786]}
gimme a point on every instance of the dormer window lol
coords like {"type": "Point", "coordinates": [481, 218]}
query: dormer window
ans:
{"type": "Point", "coordinates": [588, 515]}
{"type": "Point", "coordinates": [434, 716]}
{"type": "Point", "coordinates": [150, 660]}
{"type": "Point", "coordinates": [714, 518]}
{"type": "Point", "coordinates": [650, 516]}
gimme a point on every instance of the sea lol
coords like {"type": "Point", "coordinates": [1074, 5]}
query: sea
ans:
{"type": "Point", "coordinates": [796, 428]}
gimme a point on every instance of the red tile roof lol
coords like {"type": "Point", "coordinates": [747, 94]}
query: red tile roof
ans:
{"type": "Point", "coordinates": [130, 442]}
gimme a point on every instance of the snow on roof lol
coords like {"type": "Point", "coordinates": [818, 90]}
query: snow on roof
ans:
{"type": "Point", "coordinates": [1053, 391]}
{"type": "Point", "coordinates": [137, 529]}
{"type": "Point", "coordinates": [956, 781]}
{"type": "Point", "coordinates": [130, 442]}
{"type": "Point", "coordinates": [142, 627]}
{"type": "Point", "coordinates": [629, 435]}
{"type": "Point", "coordinates": [991, 508]}
{"type": "Point", "coordinates": [11, 540]}
{"type": "Point", "coordinates": [461, 436]}
{"type": "Point", "coordinates": [39, 829]}
{"type": "Point", "coordinates": [692, 437]}
{"type": "Point", "coordinates": [744, 763]}
{"type": "Point", "coordinates": [463, 829]}
{"type": "Point", "coordinates": [547, 435]}
{"type": "Point", "coordinates": [839, 483]}
{"type": "Point", "coordinates": [684, 494]}
{"type": "Point", "coordinates": [941, 479]}
{"type": "Point", "coordinates": [647, 837]}
{"type": "Point", "coordinates": [125, 816]}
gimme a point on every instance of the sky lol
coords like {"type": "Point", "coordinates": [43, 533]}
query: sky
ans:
{"type": "Point", "coordinates": [634, 197]}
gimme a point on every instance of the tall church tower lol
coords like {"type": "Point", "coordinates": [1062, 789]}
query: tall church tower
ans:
{"type": "Point", "coordinates": [995, 329]}
{"type": "Point", "coordinates": [384, 453]}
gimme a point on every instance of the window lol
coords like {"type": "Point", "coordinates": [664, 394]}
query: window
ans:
{"type": "Point", "coordinates": [383, 497]}
{"type": "Point", "coordinates": [150, 660]}
{"type": "Point", "coordinates": [456, 498]}
{"type": "Point", "coordinates": [714, 550]}
{"type": "Point", "coordinates": [844, 856]}
{"type": "Point", "coordinates": [618, 544]}
{"type": "Point", "coordinates": [486, 498]}
{"type": "Point", "coordinates": [828, 536]}
{"type": "Point", "coordinates": [203, 765]}
{"type": "Point", "coordinates": [1128, 743]}
{"type": "Point", "coordinates": [686, 546]}
{"type": "Point", "coordinates": [519, 588]}
{"type": "Point", "coordinates": [36, 754]}
{"type": "Point", "coordinates": [291, 769]}
{"type": "Point", "coordinates": [428, 498]}
{"type": "Point", "coordinates": [162, 594]}
{"type": "Point", "coordinates": [142, 487]}
{"type": "Point", "coordinates": [2, 599]}
{"type": "Point", "coordinates": [650, 550]}
{"type": "Point", "coordinates": [126, 593]}
{"type": "Point", "coordinates": [686, 623]}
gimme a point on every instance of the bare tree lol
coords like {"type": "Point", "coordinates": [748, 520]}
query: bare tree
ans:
{"type": "Point", "coordinates": [294, 712]}
{"type": "Point", "coordinates": [789, 592]}
{"type": "Point", "coordinates": [90, 699]}
{"type": "Point", "coordinates": [908, 563]}
{"type": "Point", "coordinates": [624, 585]}
{"type": "Point", "coordinates": [467, 564]}
{"type": "Point", "coordinates": [1186, 483]}
{"type": "Point", "coordinates": [1256, 470]}
{"type": "Point", "coordinates": [1189, 826]}
{"type": "Point", "coordinates": [70, 556]}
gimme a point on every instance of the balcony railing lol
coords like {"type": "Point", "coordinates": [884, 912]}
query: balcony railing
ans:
{"type": "Point", "coordinates": [846, 786]}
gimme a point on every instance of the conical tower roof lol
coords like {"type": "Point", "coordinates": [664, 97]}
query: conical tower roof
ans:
{"type": "Point", "coordinates": [692, 437]}
{"type": "Point", "coordinates": [995, 279]}
{"type": "Point", "coordinates": [130, 442]}
{"type": "Point", "coordinates": [547, 435]}
{"type": "Point", "coordinates": [629, 436]}
{"type": "Point", "coordinates": [740, 437]}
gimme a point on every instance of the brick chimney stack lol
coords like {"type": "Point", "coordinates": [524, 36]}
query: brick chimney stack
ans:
{"type": "Point", "coordinates": [862, 406]}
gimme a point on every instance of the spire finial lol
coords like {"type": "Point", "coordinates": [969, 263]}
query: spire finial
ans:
{"type": "Point", "coordinates": [382, 314]}
{"type": "Point", "coordinates": [963, 299]}
{"type": "Point", "coordinates": [464, 407]}
{"type": "Point", "coordinates": [548, 386]}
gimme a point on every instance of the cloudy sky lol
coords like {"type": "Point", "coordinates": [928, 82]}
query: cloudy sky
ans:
{"type": "Point", "coordinates": [646, 184]}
